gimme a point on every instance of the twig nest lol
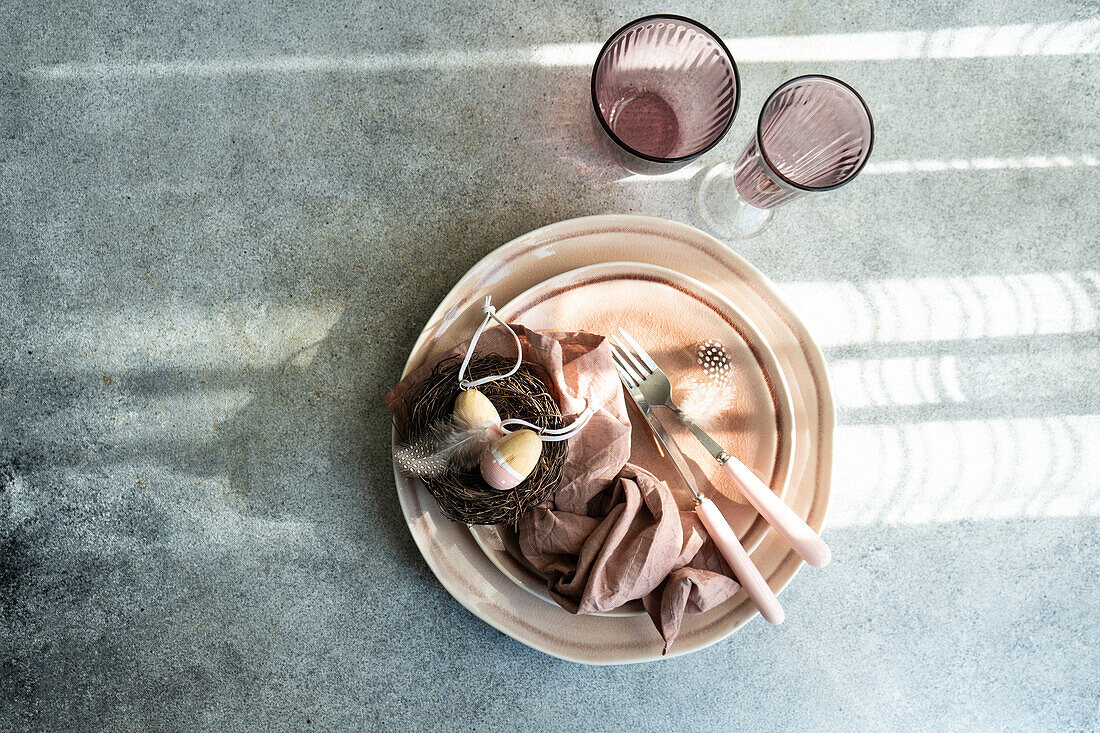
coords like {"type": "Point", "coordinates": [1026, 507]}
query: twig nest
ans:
{"type": "Point", "coordinates": [463, 494]}
{"type": "Point", "coordinates": [511, 459]}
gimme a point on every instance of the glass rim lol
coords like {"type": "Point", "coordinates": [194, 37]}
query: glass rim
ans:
{"type": "Point", "coordinates": [771, 168]}
{"type": "Point", "coordinates": [736, 91]}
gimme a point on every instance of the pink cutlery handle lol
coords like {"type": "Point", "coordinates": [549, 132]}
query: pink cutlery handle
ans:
{"type": "Point", "coordinates": [780, 516]}
{"type": "Point", "coordinates": [747, 573]}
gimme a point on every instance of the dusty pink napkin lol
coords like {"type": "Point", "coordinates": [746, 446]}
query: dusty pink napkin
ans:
{"type": "Point", "coordinates": [611, 532]}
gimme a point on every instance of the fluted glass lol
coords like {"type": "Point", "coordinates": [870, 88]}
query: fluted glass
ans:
{"type": "Point", "coordinates": [814, 133]}
{"type": "Point", "coordinates": [665, 89]}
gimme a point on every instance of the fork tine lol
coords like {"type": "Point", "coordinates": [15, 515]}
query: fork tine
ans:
{"type": "Point", "coordinates": [623, 363]}
{"type": "Point", "coordinates": [631, 359]}
{"type": "Point", "coordinates": [638, 348]}
{"type": "Point", "coordinates": [628, 364]}
{"type": "Point", "coordinates": [617, 356]}
{"type": "Point", "coordinates": [625, 378]}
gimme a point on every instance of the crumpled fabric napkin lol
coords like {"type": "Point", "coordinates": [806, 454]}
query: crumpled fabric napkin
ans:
{"type": "Point", "coordinates": [601, 547]}
{"type": "Point", "coordinates": [611, 532]}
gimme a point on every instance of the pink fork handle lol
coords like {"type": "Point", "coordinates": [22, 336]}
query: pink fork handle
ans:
{"type": "Point", "coordinates": [747, 573]}
{"type": "Point", "coordinates": [780, 516]}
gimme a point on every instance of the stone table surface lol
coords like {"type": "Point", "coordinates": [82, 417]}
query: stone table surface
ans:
{"type": "Point", "coordinates": [223, 226]}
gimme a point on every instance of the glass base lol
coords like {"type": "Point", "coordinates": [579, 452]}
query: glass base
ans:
{"type": "Point", "coordinates": [621, 157]}
{"type": "Point", "coordinates": [723, 209]}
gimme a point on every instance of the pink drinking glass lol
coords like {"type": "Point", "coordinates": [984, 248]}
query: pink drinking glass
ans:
{"type": "Point", "coordinates": [814, 134]}
{"type": "Point", "coordinates": [664, 90]}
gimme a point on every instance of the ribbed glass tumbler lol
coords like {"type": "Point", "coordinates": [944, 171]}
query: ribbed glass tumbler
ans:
{"type": "Point", "coordinates": [814, 134]}
{"type": "Point", "coordinates": [664, 90]}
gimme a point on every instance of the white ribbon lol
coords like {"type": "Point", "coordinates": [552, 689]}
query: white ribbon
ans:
{"type": "Point", "coordinates": [547, 434]}
{"type": "Point", "coordinates": [490, 314]}
{"type": "Point", "coordinates": [551, 435]}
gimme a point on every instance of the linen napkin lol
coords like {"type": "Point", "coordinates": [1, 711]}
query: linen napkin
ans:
{"type": "Point", "coordinates": [601, 547]}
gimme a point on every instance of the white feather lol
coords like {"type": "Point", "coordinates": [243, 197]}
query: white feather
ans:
{"type": "Point", "coordinates": [705, 401]}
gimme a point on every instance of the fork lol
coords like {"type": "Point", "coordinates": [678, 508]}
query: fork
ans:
{"type": "Point", "coordinates": [657, 391]}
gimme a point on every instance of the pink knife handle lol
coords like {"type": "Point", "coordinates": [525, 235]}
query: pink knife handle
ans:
{"type": "Point", "coordinates": [747, 573]}
{"type": "Point", "coordinates": [780, 516]}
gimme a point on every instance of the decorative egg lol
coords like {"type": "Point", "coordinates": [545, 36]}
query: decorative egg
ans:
{"type": "Point", "coordinates": [473, 410]}
{"type": "Point", "coordinates": [511, 459]}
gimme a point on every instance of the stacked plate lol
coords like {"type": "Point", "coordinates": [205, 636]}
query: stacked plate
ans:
{"type": "Point", "coordinates": [673, 287]}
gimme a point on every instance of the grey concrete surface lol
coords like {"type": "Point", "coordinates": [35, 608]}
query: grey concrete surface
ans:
{"type": "Point", "coordinates": [223, 226]}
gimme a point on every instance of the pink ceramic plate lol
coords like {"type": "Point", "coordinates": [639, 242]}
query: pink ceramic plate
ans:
{"type": "Point", "coordinates": [449, 548]}
{"type": "Point", "coordinates": [670, 313]}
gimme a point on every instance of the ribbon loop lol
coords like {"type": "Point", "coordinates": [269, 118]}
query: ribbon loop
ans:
{"type": "Point", "coordinates": [490, 315]}
{"type": "Point", "coordinates": [547, 434]}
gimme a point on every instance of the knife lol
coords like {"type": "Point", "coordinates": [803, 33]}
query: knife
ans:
{"type": "Point", "coordinates": [719, 529]}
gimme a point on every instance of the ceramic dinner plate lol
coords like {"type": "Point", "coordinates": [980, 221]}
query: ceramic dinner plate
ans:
{"type": "Point", "coordinates": [449, 548]}
{"type": "Point", "coordinates": [670, 314]}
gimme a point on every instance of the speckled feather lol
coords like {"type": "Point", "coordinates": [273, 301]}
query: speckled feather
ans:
{"type": "Point", "coordinates": [709, 395]}
{"type": "Point", "coordinates": [452, 441]}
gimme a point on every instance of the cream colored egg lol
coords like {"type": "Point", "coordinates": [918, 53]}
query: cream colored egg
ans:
{"type": "Point", "coordinates": [473, 409]}
{"type": "Point", "coordinates": [511, 459]}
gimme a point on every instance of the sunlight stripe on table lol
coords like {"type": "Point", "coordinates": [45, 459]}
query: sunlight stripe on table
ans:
{"type": "Point", "coordinates": [176, 336]}
{"type": "Point", "coordinates": [981, 164]}
{"type": "Point", "coordinates": [1026, 39]}
{"type": "Point", "coordinates": [923, 165]}
{"type": "Point", "coordinates": [839, 313]}
{"type": "Point", "coordinates": [946, 471]}
{"type": "Point", "coordinates": [897, 381]}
